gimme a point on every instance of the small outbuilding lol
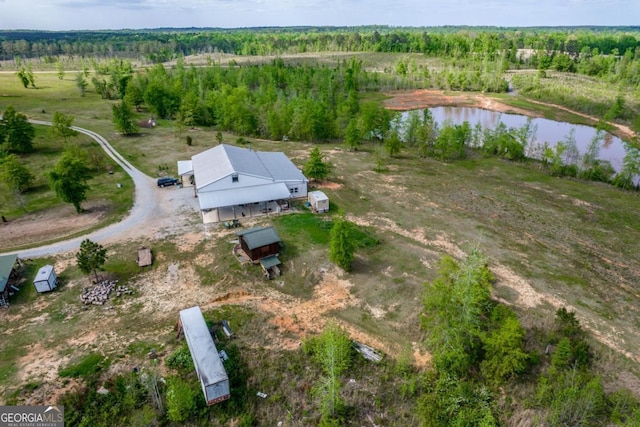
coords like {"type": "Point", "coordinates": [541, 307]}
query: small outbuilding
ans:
{"type": "Point", "coordinates": [144, 257]}
{"type": "Point", "coordinates": [259, 242]}
{"type": "Point", "coordinates": [46, 279]}
{"type": "Point", "coordinates": [9, 274]}
{"type": "Point", "coordinates": [318, 201]}
{"type": "Point", "coordinates": [206, 359]}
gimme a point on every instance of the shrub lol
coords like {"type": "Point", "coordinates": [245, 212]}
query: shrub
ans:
{"type": "Point", "coordinates": [181, 400]}
{"type": "Point", "coordinates": [180, 360]}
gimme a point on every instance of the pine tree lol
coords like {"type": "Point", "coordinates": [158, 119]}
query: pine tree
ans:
{"type": "Point", "coordinates": [316, 168]}
{"type": "Point", "coordinates": [341, 246]}
{"type": "Point", "coordinates": [91, 257]}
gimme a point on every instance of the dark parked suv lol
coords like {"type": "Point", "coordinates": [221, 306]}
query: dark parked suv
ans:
{"type": "Point", "coordinates": [167, 180]}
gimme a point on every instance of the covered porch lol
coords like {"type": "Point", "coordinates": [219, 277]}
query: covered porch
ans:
{"type": "Point", "coordinates": [229, 205]}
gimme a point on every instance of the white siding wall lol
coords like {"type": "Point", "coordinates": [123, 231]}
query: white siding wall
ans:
{"type": "Point", "coordinates": [226, 183]}
{"type": "Point", "coordinates": [211, 216]}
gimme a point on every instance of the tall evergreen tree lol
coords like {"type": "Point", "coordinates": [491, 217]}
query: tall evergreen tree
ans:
{"type": "Point", "coordinates": [352, 135]}
{"type": "Point", "coordinates": [341, 246]}
{"type": "Point", "coordinates": [91, 257]}
{"type": "Point", "coordinates": [316, 168]}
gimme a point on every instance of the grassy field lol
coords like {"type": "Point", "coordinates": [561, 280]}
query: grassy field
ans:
{"type": "Point", "coordinates": [105, 197]}
{"type": "Point", "coordinates": [578, 92]}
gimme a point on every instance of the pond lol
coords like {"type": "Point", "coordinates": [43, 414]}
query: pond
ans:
{"type": "Point", "coordinates": [612, 149]}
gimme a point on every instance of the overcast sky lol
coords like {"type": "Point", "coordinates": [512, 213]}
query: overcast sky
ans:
{"type": "Point", "coordinates": [133, 14]}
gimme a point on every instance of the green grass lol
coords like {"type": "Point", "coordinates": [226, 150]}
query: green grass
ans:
{"type": "Point", "coordinates": [580, 93]}
{"type": "Point", "coordinates": [304, 228]}
{"type": "Point", "coordinates": [86, 367]}
{"type": "Point", "coordinates": [60, 95]}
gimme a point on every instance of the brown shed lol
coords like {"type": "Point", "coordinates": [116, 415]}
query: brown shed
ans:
{"type": "Point", "coordinates": [259, 242]}
{"type": "Point", "coordinates": [144, 257]}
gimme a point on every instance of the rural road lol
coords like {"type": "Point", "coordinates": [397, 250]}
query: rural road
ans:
{"type": "Point", "coordinates": [148, 204]}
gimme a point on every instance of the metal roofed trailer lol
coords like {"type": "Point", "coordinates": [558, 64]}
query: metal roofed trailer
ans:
{"type": "Point", "coordinates": [206, 359]}
{"type": "Point", "coordinates": [319, 201]}
{"type": "Point", "coordinates": [46, 279]}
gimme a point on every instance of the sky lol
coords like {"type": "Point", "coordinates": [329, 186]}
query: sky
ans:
{"type": "Point", "coordinates": [139, 14]}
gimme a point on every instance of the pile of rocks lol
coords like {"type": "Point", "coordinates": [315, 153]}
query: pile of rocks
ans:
{"type": "Point", "coordinates": [123, 290]}
{"type": "Point", "coordinates": [99, 293]}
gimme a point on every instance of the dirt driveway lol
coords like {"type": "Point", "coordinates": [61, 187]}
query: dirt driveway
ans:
{"type": "Point", "coordinates": [154, 209]}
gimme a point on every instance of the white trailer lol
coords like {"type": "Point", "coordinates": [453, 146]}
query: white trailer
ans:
{"type": "Point", "coordinates": [46, 280]}
{"type": "Point", "coordinates": [318, 201]}
{"type": "Point", "coordinates": [211, 373]}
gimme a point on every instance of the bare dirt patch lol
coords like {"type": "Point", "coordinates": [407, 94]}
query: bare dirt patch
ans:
{"type": "Point", "coordinates": [50, 224]}
{"type": "Point", "coordinates": [425, 98]}
{"type": "Point", "coordinates": [328, 184]}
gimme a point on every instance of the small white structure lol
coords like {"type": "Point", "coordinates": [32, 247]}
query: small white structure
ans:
{"type": "Point", "coordinates": [318, 201]}
{"type": "Point", "coordinates": [211, 373]}
{"type": "Point", "coordinates": [46, 280]}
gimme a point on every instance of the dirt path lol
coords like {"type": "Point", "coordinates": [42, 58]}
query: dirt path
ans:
{"type": "Point", "coordinates": [426, 98]}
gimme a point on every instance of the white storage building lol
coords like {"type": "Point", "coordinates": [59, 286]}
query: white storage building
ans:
{"type": "Point", "coordinates": [46, 279]}
{"type": "Point", "coordinates": [319, 201]}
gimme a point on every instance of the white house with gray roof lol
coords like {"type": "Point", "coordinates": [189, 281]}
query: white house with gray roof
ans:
{"type": "Point", "coordinates": [231, 182]}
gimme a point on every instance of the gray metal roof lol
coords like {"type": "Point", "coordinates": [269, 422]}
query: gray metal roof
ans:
{"type": "Point", "coordinates": [259, 236]}
{"type": "Point", "coordinates": [223, 160]}
{"type": "Point", "coordinates": [203, 350]}
{"type": "Point", "coordinates": [270, 261]}
{"type": "Point", "coordinates": [44, 273]}
{"type": "Point", "coordinates": [239, 196]}
{"type": "Point", "coordinates": [280, 167]}
{"type": "Point", "coordinates": [6, 265]}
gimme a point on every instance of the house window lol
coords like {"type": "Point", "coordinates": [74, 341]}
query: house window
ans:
{"type": "Point", "coordinates": [234, 177]}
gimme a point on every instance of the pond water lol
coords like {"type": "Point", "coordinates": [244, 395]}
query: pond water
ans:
{"type": "Point", "coordinates": [612, 148]}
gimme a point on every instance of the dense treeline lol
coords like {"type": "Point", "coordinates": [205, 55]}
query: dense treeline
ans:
{"type": "Point", "coordinates": [163, 44]}
{"type": "Point", "coordinates": [269, 101]}
{"type": "Point", "coordinates": [469, 58]}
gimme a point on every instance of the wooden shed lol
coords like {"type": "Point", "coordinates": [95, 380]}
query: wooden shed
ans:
{"type": "Point", "coordinates": [259, 242]}
{"type": "Point", "coordinates": [144, 257]}
{"type": "Point", "coordinates": [206, 359]}
{"type": "Point", "coordinates": [9, 274]}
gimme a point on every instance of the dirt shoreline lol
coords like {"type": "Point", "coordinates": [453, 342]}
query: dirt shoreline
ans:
{"type": "Point", "coordinates": [427, 98]}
